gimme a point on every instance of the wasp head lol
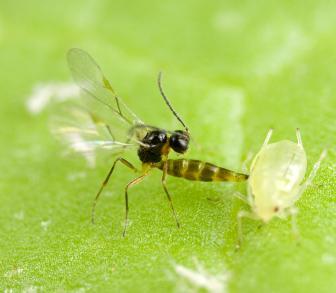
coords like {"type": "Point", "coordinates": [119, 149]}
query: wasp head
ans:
{"type": "Point", "coordinates": [179, 141]}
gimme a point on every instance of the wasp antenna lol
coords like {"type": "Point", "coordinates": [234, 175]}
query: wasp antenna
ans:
{"type": "Point", "coordinates": [168, 102]}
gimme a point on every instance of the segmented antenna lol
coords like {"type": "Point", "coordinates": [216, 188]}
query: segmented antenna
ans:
{"type": "Point", "coordinates": [168, 103]}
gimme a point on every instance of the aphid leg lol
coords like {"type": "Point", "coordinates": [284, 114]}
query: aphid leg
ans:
{"type": "Point", "coordinates": [298, 136]}
{"type": "Point", "coordinates": [130, 184]}
{"type": "Point", "coordinates": [248, 159]}
{"type": "Point", "coordinates": [293, 213]}
{"type": "Point", "coordinates": [236, 194]}
{"type": "Point", "coordinates": [249, 195]}
{"type": "Point", "coordinates": [163, 181]}
{"type": "Point", "coordinates": [241, 196]}
{"type": "Point", "coordinates": [268, 137]}
{"type": "Point", "coordinates": [312, 174]}
{"type": "Point", "coordinates": [126, 163]}
{"type": "Point", "coordinates": [240, 216]}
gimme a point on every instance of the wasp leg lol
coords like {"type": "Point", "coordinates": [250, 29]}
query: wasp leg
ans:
{"type": "Point", "coordinates": [268, 137]}
{"type": "Point", "coordinates": [312, 175]}
{"type": "Point", "coordinates": [130, 184]}
{"type": "Point", "coordinates": [240, 216]}
{"type": "Point", "coordinates": [126, 163]}
{"type": "Point", "coordinates": [163, 181]}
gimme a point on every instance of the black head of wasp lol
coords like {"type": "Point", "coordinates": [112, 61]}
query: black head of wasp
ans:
{"type": "Point", "coordinates": [153, 143]}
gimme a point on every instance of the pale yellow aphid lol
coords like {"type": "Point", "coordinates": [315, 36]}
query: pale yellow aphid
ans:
{"type": "Point", "coordinates": [276, 180]}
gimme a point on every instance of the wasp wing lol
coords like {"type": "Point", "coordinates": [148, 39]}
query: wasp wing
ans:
{"type": "Point", "coordinates": [102, 121]}
{"type": "Point", "coordinates": [90, 78]}
{"type": "Point", "coordinates": [85, 133]}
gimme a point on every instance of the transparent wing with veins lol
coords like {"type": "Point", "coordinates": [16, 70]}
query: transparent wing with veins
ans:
{"type": "Point", "coordinates": [103, 122]}
{"type": "Point", "coordinates": [85, 133]}
{"type": "Point", "coordinates": [92, 82]}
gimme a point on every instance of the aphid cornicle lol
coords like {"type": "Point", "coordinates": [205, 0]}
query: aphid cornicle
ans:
{"type": "Point", "coordinates": [275, 181]}
{"type": "Point", "coordinates": [153, 143]}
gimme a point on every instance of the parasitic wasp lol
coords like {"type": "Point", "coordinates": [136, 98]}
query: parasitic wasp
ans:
{"type": "Point", "coordinates": [108, 124]}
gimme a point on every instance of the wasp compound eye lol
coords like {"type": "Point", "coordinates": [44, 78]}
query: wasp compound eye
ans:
{"type": "Point", "coordinates": [179, 141]}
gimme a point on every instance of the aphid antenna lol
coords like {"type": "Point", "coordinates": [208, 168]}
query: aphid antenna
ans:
{"type": "Point", "coordinates": [268, 137]}
{"type": "Point", "coordinates": [298, 135]}
{"type": "Point", "coordinates": [168, 102]}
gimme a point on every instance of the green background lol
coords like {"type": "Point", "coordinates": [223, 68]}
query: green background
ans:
{"type": "Point", "coordinates": [232, 71]}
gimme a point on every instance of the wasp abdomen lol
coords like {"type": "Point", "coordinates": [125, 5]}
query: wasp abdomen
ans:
{"type": "Point", "coordinates": [200, 171]}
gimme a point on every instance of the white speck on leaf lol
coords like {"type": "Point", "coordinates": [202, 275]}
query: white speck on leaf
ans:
{"type": "Point", "coordinates": [76, 176]}
{"type": "Point", "coordinates": [329, 239]}
{"type": "Point", "coordinates": [228, 20]}
{"type": "Point", "coordinates": [201, 279]}
{"type": "Point", "coordinates": [328, 259]}
{"type": "Point", "coordinates": [45, 225]}
{"type": "Point", "coordinates": [30, 289]}
{"type": "Point", "coordinates": [19, 215]}
{"type": "Point", "coordinates": [80, 290]}
{"type": "Point", "coordinates": [13, 272]}
{"type": "Point", "coordinates": [44, 93]}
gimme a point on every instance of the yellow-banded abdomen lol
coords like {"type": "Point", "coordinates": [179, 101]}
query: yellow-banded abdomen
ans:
{"type": "Point", "coordinates": [200, 171]}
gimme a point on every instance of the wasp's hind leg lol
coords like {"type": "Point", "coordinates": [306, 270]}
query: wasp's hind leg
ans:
{"type": "Point", "coordinates": [126, 163]}
{"type": "Point", "coordinates": [163, 181]}
{"type": "Point", "coordinates": [130, 184]}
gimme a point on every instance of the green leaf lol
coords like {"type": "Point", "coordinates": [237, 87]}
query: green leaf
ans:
{"type": "Point", "coordinates": [232, 70]}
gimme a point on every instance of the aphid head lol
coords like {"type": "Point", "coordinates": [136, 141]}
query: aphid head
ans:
{"type": "Point", "coordinates": [179, 141]}
{"type": "Point", "coordinates": [266, 213]}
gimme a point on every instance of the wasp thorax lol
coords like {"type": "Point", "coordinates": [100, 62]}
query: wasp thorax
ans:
{"type": "Point", "coordinates": [179, 141]}
{"type": "Point", "coordinates": [153, 142]}
{"type": "Point", "coordinates": [155, 138]}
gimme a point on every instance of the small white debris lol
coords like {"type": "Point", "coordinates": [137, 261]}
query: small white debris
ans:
{"type": "Point", "coordinates": [80, 290]}
{"type": "Point", "coordinates": [19, 215]}
{"type": "Point", "coordinates": [30, 289]}
{"type": "Point", "coordinates": [200, 279]}
{"type": "Point", "coordinates": [45, 224]}
{"type": "Point", "coordinates": [228, 20]}
{"type": "Point", "coordinates": [76, 176]}
{"type": "Point", "coordinates": [44, 93]}
{"type": "Point", "coordinates": [109, 193]}
{"type": "Point", "coordinates": [329, 239]}
{"type": "Point", "coordinates": [78, 144]}
{"type": "Point", "coordinates": [328, 259]}
{"type": "Point", "coordinates": [13, 273]}
{"type": "Point", "coordinates": [129, 223]}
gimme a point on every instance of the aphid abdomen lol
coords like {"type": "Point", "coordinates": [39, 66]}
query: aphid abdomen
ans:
{"type": "Point", "coordinates": [275, 178]}
{"type": "Point", "coordinates": [201, 171]}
